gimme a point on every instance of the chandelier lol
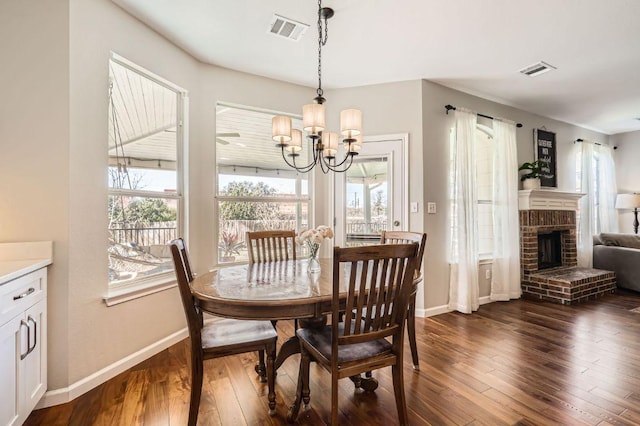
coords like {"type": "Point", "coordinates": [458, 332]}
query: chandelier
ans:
{"type": "Point", "coordinates": [323, 143]}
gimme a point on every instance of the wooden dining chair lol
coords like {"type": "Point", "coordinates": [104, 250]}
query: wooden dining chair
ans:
{"type": "Point", "coordinates": [404, 237]}
{"type": "Point", "coordinates": [271, 246]}
{"type": "Point", "coordinates": [380, 276]}
{"type": "Point", "coordinates": [218, 338]}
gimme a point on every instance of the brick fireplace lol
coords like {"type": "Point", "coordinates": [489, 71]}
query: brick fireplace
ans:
{"type": "Point", "coordinates": [548, 250]}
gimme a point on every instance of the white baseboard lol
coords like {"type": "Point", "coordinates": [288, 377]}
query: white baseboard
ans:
{"type": "Point", "coordinates": [64, 395]}
{"type": "Point", "coordinates": [443, 309]}
{"type": "Point", "coordinates": [484, 300]}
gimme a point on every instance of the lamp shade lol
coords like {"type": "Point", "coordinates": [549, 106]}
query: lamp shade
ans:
{"type": "Point", "coordinates": [355, 145]}
{"type": "Point", "coordinates": [295, 145]}
{"type": "Point", "coordinates": [627, 201]}
{"type": "Point", "coordinates": [313, 118]}
{"type": "Point", "coordinates": [350, 123]}
{"type": "Point", "coordinates": [330, 143]}
{"type": "Point", "coordinates": [281, 129]}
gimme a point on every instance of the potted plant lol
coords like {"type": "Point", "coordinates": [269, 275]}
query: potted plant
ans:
{"type": "Point", "coordinates": [531, 179]}
{"type": "Point", "coordinates": [229, 246]}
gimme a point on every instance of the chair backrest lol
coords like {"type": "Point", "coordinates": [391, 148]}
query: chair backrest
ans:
{"type": "Point", "coordinates": [405, 237]}
{"type": "Point", "coordinates": [184, 277]}
{"type": "Point", "coordinates": [378, 280]}
{"type": "Point", "coordinates": [271, 246]}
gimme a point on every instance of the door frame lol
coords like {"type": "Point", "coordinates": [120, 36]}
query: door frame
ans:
{"type": "Point", "coordinates": [403, 162]}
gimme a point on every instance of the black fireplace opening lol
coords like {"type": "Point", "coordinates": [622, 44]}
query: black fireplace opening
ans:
{"type": "Point", "coordinates": [549, 249]}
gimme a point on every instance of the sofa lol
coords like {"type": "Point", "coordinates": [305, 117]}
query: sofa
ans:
{"type": "Point", "coordinates": [619, 253]}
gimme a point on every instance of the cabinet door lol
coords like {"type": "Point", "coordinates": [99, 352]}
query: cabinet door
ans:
{"type": "Point", "coordinates": [34, 365]}
{"type": "Point", "coordinates": [9, 365]}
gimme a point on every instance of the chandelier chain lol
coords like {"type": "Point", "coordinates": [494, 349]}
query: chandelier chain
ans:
{"type": "Point", "coordinates": [319, 90]}
{"type": "Point", "coordinates": [321, 42]}
{"type": "Point", "coordinates": [324, 154]}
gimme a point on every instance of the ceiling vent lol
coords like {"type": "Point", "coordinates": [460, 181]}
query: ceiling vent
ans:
{"type": "Point", "coordinates": [287, 28]}
{"type": "Point", "coordinates": [537, 69]}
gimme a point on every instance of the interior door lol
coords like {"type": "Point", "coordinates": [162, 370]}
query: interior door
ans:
{"type": "Point", "coordinates": [372, 195]}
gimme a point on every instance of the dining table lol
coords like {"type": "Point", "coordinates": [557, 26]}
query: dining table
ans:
{"type": "Point", "coordinates": [281, 290]}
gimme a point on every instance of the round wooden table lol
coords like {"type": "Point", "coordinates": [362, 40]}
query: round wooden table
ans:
{"type": "Point", "coordinates": [271, 291]}
{"type": "Point", "coordinates": [266, 291]}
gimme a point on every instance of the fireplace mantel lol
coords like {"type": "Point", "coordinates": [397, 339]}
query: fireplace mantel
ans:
{"type": "Point", "coordinates": [548, 199]}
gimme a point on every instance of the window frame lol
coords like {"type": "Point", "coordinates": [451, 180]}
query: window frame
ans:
{"type": "Point", "coordinates": [486, 256]}
{"type": "Point", "coordinates": [299, 197]}
{"type": "Point", "coordinates": [118, 292]}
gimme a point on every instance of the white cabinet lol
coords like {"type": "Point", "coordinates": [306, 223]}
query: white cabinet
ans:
{"type": "Point", "coordinates": [23, 346]}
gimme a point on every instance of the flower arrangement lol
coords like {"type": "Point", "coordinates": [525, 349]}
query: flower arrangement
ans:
{"type": "Point", "coordinates": [312, 238]}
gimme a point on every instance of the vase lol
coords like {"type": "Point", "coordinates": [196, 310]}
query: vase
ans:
{"type": "Point", "coordinates": [313, 266]}
{"type": "Point", "coordinates": [531, 183]}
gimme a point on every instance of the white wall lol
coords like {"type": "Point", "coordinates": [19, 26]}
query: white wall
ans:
{"type": "Point", "coordinates": [627, 172]}
{"type": "Point", "coordinates": [34, 143]}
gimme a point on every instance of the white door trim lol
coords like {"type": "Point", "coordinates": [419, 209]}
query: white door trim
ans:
{"type": "Point", "coordinates": [403, 190]}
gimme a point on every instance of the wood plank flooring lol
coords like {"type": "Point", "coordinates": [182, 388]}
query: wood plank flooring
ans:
{"type": "Point", "coordinates": [511, 363]}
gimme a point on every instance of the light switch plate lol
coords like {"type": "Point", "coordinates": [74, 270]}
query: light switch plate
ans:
{"type": "Point", "coordinates": [413, 207]}
{"type": "Point", "coordinates": [431, 208]}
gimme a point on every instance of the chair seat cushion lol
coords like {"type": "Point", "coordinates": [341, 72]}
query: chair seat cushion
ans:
{"type": "Point", "coordinates": [229, 332]}
{"type": "Point", "coordinates": [320, 339]}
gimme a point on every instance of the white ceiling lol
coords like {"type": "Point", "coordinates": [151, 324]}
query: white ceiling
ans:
{"type": "Point", "coordinates": [476, 46]}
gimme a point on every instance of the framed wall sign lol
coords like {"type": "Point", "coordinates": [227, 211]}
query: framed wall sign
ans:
{"type": "Point", "coordinates": [545, 151]}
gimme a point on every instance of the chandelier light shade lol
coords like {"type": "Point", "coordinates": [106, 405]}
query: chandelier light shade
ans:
{"type": "Point", "coordinates": [281, 129]}
{"type": "Point", "coordinates": [355, 145]}
{"type": "Point", "coordinates": [295, 145]}
{"type": "Point", "coordinates": [629, 202]}
{"type": "Point", "coordinates": [324, 144]}
{"type": "Point", "coordinates": [350, 123]}
{"type": "Point", "coordinates": [313, 118]}
{"type": "Point", "coordinates": [330, 144]}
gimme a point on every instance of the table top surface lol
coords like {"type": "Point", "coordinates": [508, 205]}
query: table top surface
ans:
{"type": "Point", "coordinates": [272, 283]}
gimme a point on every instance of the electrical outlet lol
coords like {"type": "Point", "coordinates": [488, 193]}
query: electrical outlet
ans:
{"type": "Point", "coordinates": [487, 274]}
{"type": "Point", "coordinates": [431, 208]}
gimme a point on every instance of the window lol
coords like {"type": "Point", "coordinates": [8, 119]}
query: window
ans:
{"type": "Point", "coordinates": [594, 195]}
{"type": "Point", "coordinates": [484, 190]}
{"type": "Point", "coordinates": [484, 151]}
{"type": "Point", "coordinates": [145, 173]}
{"type": "Point", "coordinates": [256, 190]}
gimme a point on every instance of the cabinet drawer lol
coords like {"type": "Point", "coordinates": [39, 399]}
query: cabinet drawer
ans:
{"type": "Point", "coordinates": [21, 293]}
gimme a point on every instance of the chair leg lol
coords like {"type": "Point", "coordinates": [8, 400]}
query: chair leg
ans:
{"type": "Point", "coordinates": [305, 361]}
{"type": "Point", "coordinates": [302, 390]}
{"type": "Point", "coordinates": [271, 377]}
{"type": "Point", "coordinates": [334, 399]}
{"type": "Point", "coordinates": [398, 389]}
{"type": "Point", "coordinates": [260, 367]}
{"type": "Point", "coordinates": [411, 331]}
{"type": "Point", "coordinates": [196, 387]}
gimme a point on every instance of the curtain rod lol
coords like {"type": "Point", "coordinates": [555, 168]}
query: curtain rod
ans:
{"type": "Point", "coordinates": [595, 143]}
{"type": "Point", "coordinates": [451, 107]}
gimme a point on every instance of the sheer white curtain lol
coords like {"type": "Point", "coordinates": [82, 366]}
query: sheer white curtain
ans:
{"type": "Point", "coordinates": [608, 189]}
{"type": "Point", "coordinates": [597, 207]}
{"type": "Point", "coordinates": [463, 278]}
{"type": "Point", "coordinates": [505, 277]}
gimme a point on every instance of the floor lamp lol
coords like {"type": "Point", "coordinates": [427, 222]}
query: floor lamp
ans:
{"type": "Point", "coordinates": [628, 202]}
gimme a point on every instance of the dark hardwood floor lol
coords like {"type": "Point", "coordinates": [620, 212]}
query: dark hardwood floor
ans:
{"type": "Point", "coordinates": [515, 363]}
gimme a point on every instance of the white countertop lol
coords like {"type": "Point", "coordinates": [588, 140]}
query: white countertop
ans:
{"type": "Point", "coordinates": [18, 259]}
